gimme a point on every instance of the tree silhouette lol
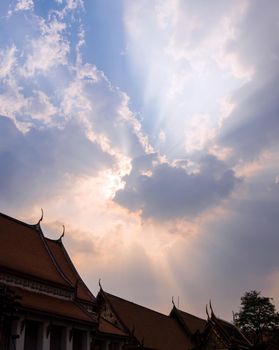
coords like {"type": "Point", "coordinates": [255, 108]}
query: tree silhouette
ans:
{"type": "Point", "coordinates": [257, 317]}
{"type": "Point", "coordinates": [8, 307]}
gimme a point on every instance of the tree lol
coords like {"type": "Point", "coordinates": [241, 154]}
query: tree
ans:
{"type": "Point", "coordinates": [8, 308]}
{"type": "Point", "coordinates": [257, 317]}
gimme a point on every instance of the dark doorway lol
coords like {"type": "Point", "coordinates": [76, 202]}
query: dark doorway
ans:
{"type": "Point", "coordinates": [78, 339]}
{"type": "Point", "coordinates": [31, 335]}
{"type": "Point", "coordinates": [56, 338]}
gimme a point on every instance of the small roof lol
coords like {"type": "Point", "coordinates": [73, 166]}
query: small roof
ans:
{"type": "Point", "coordinates": [230, 332]}
{"type": "Point", "coordinates": [152, 329]}
{"type": "Point", "coordinates": [45, 304]}
{"type": "Point", "coordinates": [191, 322]}
{"type": "Point", "coordinates": [24, 250]}
{"type": "Point", "coordinates": [109, 328]}
{"type": "Point", "coordinates": [68, 269]}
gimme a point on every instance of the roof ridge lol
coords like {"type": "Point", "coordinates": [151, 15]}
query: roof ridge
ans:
{"type": "Point", "coordinates": [18, 221]}
{"type": "Point", "coordinates": [141, 306]}
{"type": "Point", "coordinates": [37, 228]}
{"type": "Point", "coordinates": [73, 266]}
{"type": "Point", "coordinates": [55, 263]}
{"type": "Point", "coordinates": [69, 260]}
{"type": "Point", "coordinates": [202, 319]}
{"type": "Point", "coordinates": [114, 325]}
{"type": "Point", "coordinates": [84, 310]}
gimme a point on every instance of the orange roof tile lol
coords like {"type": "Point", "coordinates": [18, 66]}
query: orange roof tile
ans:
{"type": "Point", "coordinates": [157, 331]}
{"type": "Point", "coordinates": [68, 269]}
{"type": "Point", "coordinates": [193, 323]}
{"type": "Point", "coordinates": [44, 304]}
{"type": "Point", "coordinates": [109, 328]}
{"type": "Point", "coordinates": [23, 249]}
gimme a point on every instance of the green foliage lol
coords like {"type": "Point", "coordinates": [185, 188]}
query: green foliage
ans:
{"type": "Point", "coordinates": [257, 317]}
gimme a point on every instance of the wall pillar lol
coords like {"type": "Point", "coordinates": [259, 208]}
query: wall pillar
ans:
{"type": "Point", "coordinates": [86, 342]}
{"type": "Point", "coordinates": [18, 330]}
{"type": "Point", "coordinates": [68, 339]}
{"type": "Point", "coordinates": [45, 336]}
{"type": "Point", "coordinates": [106, 345]}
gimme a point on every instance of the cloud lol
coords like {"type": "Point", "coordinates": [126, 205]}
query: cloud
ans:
{"type": "Point", "coordinates": [164, 192]}
{"type": "Point", "coordinates": [182, 95]}
{"type": "Point", "coordinates": [253, 125]}
{"type": "Point", "coordinates": [24, 5]}
{"type": "Point", "coordinates": [7, 61]}
{"type": "Point", "coordinates": [50, 49]}
{"type": "Point", "coordinates": [37, 164]}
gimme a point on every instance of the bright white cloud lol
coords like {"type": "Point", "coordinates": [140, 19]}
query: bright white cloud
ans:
{"type": "Point", "coordinates": [199, 134]}
{"type": "Point", "coordinates": [49, 50]}
{"type": "Point", "coordinates": [24, 5]}
{"type": "Point", "coordinates": [189, 41]}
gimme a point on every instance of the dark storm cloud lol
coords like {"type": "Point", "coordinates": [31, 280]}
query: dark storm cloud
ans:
{"type": "Point", "coordinates": [35, 164]}
{"type": "Point", "coordinates": [170, 192]}
{"type": "Point", "coordinates": [254, 125]}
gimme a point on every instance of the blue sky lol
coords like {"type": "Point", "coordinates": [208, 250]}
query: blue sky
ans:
{"type": "Point", "coordinates": [150, 129]}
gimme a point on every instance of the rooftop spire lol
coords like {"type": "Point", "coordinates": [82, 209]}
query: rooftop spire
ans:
{"type": "Point", "coordinates": [206, 310]}
{"type": "Point", "coordinates": [63, 233]}
{"type": "Point", "coordinates": [41, 218]}
{"type": "Point", "coordinates": [211, 309]}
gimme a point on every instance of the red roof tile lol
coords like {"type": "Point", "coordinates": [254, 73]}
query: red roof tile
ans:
{"type": "Point", "coordinates": [193, 323]}
{"type": "Point", "coordinates": [109, 328]}
{"type": "Point", "coordinates": [44, 304]}
{"type": "Point", "coordinates": [23, 249]}
{"type": "Point", "coordinates": [68, 269]}
{"type": "Point", "coordinates": [230, 331]}
{"type": "Point", "coordinates": [157, 331]}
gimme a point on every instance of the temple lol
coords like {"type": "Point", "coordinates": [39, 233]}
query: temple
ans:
{"type": "Point", "coordinates": [45, 305]}
{"type": "Point", "coordinates": [54, 308]}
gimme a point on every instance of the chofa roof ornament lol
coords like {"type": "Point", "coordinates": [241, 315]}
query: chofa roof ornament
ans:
{"type": "Point", "coordinates": [211, 309]}
{"type": "Point", "coordinates": [41, 218]}
{"type": "Point", "coordinates": [206, 310]}
{"type": "Point", "coordinates": [100, 284]}
{"type": "Point", "coordinates": [63, 234]}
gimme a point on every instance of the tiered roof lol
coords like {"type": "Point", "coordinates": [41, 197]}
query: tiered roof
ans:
{"type": "Point", "coordinates": [151, 329]}
{"type": "Point", "coordinates": [69, 271]}
{"type": "Point", "coordinates": [27, 254]}
{"type": "Point", "coordinates": [47, 305]}
{"type": "Point", "coordinates": [106, 327]}
{"type": "Point", "coordinates": [23, 250]}
{"type": "Point", "coordinates": [192, 324]}
{"type": "Point", "coordinates": [228, 332]}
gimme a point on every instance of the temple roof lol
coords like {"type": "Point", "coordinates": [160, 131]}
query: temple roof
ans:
{"type": "Point", "coordinates": [23, 250]}
{"type": "Point", "coordinates": [152, 329]}
{"type": "Point", "coordinates": [68, 269]}
{"type": "Point", "coordinates": [109, 328]}
{"type": "Point", "coordinates": [47, 305]}
{"type": "Point", "coordinates": [191, 322]}
{"type": "Point", "coordinates": [229, 332]}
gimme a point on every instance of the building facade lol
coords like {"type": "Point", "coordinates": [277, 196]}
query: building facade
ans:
{"type": "Point", "coordinates": [54, 309]}
{"type": "Point", "coordinates": [45, 305]}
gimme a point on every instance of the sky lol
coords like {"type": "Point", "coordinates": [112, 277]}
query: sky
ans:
{"type": "Point", "coordinates": [148, 128]}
